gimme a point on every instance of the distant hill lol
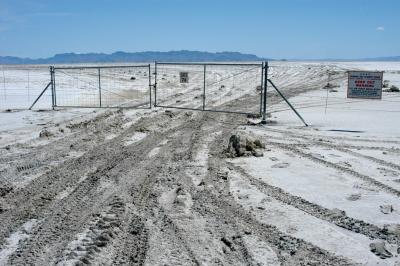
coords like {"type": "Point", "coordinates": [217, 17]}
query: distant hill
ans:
{"type": "Point", "coordinates": [386, 58]}
{"type": "Point", "coordinates": [171, 56]}
{"type": "Point", "coordinates": [371, 59]}
{"type": "Point", "coordinates": [120, 57]}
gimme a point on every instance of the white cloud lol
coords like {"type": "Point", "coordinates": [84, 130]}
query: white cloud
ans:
{"type": "Point", "coordinates": [380, 28]}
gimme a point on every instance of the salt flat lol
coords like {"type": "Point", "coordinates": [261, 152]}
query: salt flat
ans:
{"type": "Point", "coordinates": [155, 187]}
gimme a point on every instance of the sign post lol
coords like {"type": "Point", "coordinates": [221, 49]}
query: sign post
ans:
{"type": "Point", "coordinates": [364, 85]}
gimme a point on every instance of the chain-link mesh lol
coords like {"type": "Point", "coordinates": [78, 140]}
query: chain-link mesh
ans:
{"type": "Point", "coordinates": [233, 88]}
{"type": "Point", "coordinates": [21, 84]}
{"type": "Point", "coordinates": [210, 87]}
{"type": "Point", "coordinates": [174, 92]}
{"type": "Point", "coordinates": [127, 86]}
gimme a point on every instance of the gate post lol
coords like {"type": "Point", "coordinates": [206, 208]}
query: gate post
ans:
{"type": "Point", "coordinates": [99, 87]}
{"type": "Point", "coordinates": [262, 86]}
{"type": "Point", "coordinates": [204, 88]}
{"type": "Point", "coordinates": [264, 115]}
{"type": "Point", "coordinates": [155, 84]}
{"type": "Point", "coordinates": [150, 84]}
{"type": "Point", "coordinates": [52, 87]}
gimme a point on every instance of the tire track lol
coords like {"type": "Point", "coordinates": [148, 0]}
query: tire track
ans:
{"type": "Point", "coordinates": [170, 225]}
{"type": "Point", "coordinates": [289, 250]}
{"type": "Point", "coordinates": [351, 172]}
{"type": "Point", "coordinates": [26, 202]}
{"type": "Point", "coordinates": [344, 148]}
{"type": "Point", "coordinates": [84, 197]}
{"type": "Point", "coordinates": [341, 220]}
{"type": "Point", "coordinates": [121, 191]}
{"type": "Point", "coordinates": [215, 200]}
{"type": "Point", "coordinates": [370, 158]}
{"type": "Point", "coordinates": [90, 246]}
{"type": "Point", "coordinates": [338, 138]}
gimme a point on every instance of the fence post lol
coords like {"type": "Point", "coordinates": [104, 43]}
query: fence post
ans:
{"type": "Point", "coordinates": [204, 89]}
{"type": "Point", "coordinates": [150, 84]}
{"type": "Point", "coordinates": [99, 86]}
{"type": "Point", "coordinates": [264, 115]}
{"type": "Point", "coordinates": [155, 83]}
{"type": "Point", "coordinates": [52, 87]}
{"type": "Point", "coordinates": [262, 85]}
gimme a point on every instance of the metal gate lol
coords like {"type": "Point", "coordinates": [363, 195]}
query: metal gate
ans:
{"type": "Point", "coordinates": [101, 86]}
{"type": "Point", "coordinates": [217, 87]}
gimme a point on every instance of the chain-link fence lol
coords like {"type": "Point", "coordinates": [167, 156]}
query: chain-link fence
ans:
{"type": "Point", "coordinates": [102, 86]}
{"type": "Point", "coordinates": [21, 84]}
{"type": "Point", "coordinates": [221, 87]}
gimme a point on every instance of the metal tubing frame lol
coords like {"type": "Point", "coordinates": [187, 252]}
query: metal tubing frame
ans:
{"type": "Point", "coordinates": [113, 107]}
{"type": "Point", "coordinates": [54, 98]}
{"type": "Point", "coordinates": [203, 108]}
{"type": "Point", "coordinates": [290, 105]}
{"type": "Point", "coordinates": [264, 101]}
{"type": "Point", "coordinates": [204, 88]}
{"type": "Point", "coordinates": [155, 84]}
{"type": "Point", "coordinates": [209, 64]}
{"type": "Point", "coordinates": [96, 67]}
{"type": "Point", "coordinates": [262, 87]}
{"type": "Point", "coordinates": [150, 85]}
{"type": "Point", "coordinates": [52, 87]}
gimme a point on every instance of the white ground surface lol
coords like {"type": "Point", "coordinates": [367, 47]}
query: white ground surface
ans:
{"type": "Point", "coordinates": [377, 135]}
{"type": "Point", "coordinates": [24, 125]}
{"type": "Point", "coordinates": [332, 110]}
{"type": "Point", "coordinates": [346, 160]}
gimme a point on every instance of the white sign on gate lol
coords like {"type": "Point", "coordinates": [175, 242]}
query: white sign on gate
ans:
{"type": "Point", "coordinates": [365, 85]}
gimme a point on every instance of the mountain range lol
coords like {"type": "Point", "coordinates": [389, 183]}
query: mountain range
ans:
{"type": "Point", "coordinates": [151, 56]}
{"type": "Point", "coordinates": [119, 57]}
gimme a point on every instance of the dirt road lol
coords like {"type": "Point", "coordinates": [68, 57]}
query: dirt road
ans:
{"type": "Point", "coordinates": [152, 201]}
{"type": "Point", "coordinates": [150, 191]}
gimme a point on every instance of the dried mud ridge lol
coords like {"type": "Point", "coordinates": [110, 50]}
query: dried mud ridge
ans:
{"type": "Point", "coordinates": [154, 201]}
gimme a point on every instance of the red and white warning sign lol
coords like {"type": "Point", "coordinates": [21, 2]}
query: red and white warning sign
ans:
{"type": "Point", "coordinates": [365, 85]}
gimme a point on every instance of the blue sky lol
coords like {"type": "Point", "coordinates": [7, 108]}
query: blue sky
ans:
{"type": "Point", "coordinates": [277, 29]}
